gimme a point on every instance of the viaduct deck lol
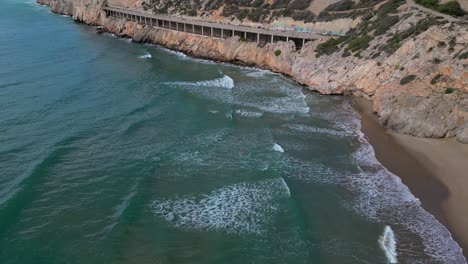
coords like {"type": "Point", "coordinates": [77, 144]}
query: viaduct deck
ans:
{"type": "Point", "coordinates": [212, 29]}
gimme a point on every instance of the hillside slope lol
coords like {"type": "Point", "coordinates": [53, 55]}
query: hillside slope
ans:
{"type": "Point", "coordinates": [410, 62]}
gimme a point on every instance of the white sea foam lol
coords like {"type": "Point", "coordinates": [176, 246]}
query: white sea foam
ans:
{"type": "Point", "coordinates": [224, 82]}
{"type": "Point", "coordinates": [379, 194]}
{"type": "Point", "coordinates": [286, 187]}
{"type": "Point", "coordinates": [387, 243]}
{"type": "Point", "coordinates": [244, 208]}
{"type": "Point", "coordinates": [183, 56]}
{"type": "Point", "coordinates": [259, 73]}
{"type": "Point", "coordinates": [213, 111]}
{"type": "Point", "coordinates": [251, 114]}
{"type": "Point", "coordinates": [179, 54]}
{"type": "Point", "coordinates": [278, 148]}
{"type": "Point", "coordinates": [147, 55]}
{"type": "Point", "coordinates": [309, 129]}
{"type": "Point", "coordinates": [292, 102]}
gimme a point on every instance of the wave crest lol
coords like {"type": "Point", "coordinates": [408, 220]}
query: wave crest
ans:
{"type": "Point", "coordinates": [224, 82]}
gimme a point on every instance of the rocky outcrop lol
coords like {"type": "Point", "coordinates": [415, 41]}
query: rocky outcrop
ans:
{"type": "Point", "coordinates": [433, 102]}
{"type": "Point", "coordinates": [87, 11]}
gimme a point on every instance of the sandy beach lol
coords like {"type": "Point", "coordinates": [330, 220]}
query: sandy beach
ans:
{"type": "Point", "coordinates": [435, 170]}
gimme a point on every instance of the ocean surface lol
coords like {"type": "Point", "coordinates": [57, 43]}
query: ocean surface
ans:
{"type": "Point", "coordinates": [116, 152]}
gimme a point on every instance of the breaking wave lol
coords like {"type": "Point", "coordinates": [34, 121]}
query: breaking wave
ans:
{"type": "Point", "coordinates": [147, 55]}
{"type": "Point", "coordinates": [379, 195]}
{"type": "Point", "coordinates": [278, 148]}
{"type": "Point", "coordinates": [244, 208]}
{"type": "Point", "coordinates": [388, 244]}
{"type": "Point", "coordinates": [224, 82]}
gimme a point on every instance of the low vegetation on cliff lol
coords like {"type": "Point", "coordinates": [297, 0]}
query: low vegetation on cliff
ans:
{"type": "Point", "coordinates": [451, 8]}
{"type": "Point", "coordinates": [263, 10]}
{"type": "Point", "coordinates": [253, 10]}
{"type": "Point", "coordinates": [412, 62]}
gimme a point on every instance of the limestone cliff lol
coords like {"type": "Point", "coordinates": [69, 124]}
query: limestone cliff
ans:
{"type": "Point", "coordinates": [412, 65]}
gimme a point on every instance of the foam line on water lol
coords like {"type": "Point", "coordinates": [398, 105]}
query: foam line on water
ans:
{"type": "Point", "coordinates": [318, 130]}
{"type": "Point", "coordinates": [379, 195]}
{"type": "Point", "coordinates": [120, 209]}
{"type": "Point", "coordinates": [249, 114]}
{"type": "Point", "coordinates": [244, 208]}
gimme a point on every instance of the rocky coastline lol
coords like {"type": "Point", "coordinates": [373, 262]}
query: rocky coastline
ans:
{"type": "Point", "coordinates": [420, 89]}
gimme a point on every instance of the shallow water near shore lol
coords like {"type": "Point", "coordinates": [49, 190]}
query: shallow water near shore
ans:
{"type": "Point", "coordinates": [115, 152]}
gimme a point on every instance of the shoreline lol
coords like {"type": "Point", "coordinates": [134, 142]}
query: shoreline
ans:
{"type": "Point", "coordinates": [433, 170]}
{"type": "Point", "coordinates": [403, 155]}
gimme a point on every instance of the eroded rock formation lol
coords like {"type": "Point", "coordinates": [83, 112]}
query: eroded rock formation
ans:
{"type": "Point", "coordinates": [418, 86]}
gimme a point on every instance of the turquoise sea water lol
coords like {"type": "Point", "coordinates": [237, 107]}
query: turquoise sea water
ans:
{"type": "Point", "coordinates": [115, 152]}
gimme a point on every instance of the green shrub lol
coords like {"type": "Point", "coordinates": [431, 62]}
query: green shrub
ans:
{"type": "Point", "coordinates": [359, 43]}
{"type": "Point", "coordinates": [384, 24]}
{"type": "Point", "coordinates": [303, 15]}
{"type": "Point", "coordinates": [277, 53]}
{"type": "Point", "coordinates": [452, 43]}
{"type": "Point", "coordinates": [463, 56]}
{"type": "Point", "coordinates": [346, 54]}
{"type": "Point", "coordinates": [407, 79]}
{"type": "Point", "coordinates": [436, 61]}
{"type": "Point", "coordinates": [394, 42]}
{"type": "Point", "coordinates": [449, 90]}
{"type": "Point", "coordinates": [436, 78]}
{"type": "Point", "coordinates": [441, 44]}
{"type": "Point", "coordinates": [375, 55]}
{"type": "Point", "coordinates": [451, 8]}
{"type": "Point", "coordinates": [328, 47]}
{"type": "Point", "coordinates": [342, 5]}
{"type": "Point", "coordinates": [299, 4]}
{"type": "Point", "coordinates": [391, 7]}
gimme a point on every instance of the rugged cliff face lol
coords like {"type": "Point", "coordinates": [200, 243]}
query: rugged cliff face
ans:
{"type": "Point", "coordinates": [413, 66]}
